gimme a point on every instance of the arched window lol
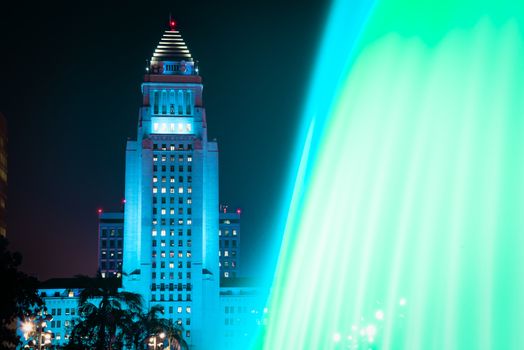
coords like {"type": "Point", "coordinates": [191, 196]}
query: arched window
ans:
{"type": "Point", "coordinates": [164, 102]}
{"type": "Point", "coordinates": [180, 102]}
{"type": "Point", "coordinates": [188, 102]}
{"type": "Point", "coordinates": [172, 102]}
{"type": "Point", "coordinates": [156, 100]}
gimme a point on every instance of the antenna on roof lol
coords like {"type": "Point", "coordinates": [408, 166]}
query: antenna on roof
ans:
{"type": "Point", "coordinates": [172, 22]}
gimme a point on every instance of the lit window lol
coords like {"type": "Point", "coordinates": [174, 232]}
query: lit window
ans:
{"type": "Point", "coordinates": [155, 158]}
{"type": "Point", "coordinates": [189, 158]}
{"type": "Point", "coordinates": [189, 200]}
{"type": "Point", "coordinates": [226, 274]}
{"type": "Point", "coordinates": [163, 254]}
{"type": "Point", "coordinates": [188, 309]}
{"type": "Point", "coordinates": [155, 126]}
{"type": "Point", "coordinates": [172, 211]}
{"type": "Point", "coordinates": [179, 309]}
{"type": "Point", "coordinates": [155, 179]}
{"type": "Point", "coordinates": [163, 179]}
{"type": "Point", "coordinates": [163, 190]}
{"type": "Point", "coordinates": [226, 253]}
{"type": "Point", "coordinates": [188, 254]}
{"type": "Point", "coordinates": [189, 221]}
{"type": "Point", "coordinates": [164, 157]}
{"type": "Point", "coordinates": [163, 211]}
{"type": "Point", "coordinates": [162, 244]}
{"type": "Point", "coordinates": [155, 190]}
{"type": "Point", "coordinates": [220, 232]}
{"type": "Point", "coordinates": [172, 189]}
{"type": "Point", "coordinates": [180, 189]}
{"type": "Point", "coordinates": [179, 253]}
{"type": "Point", "coordinates": [234, 232]}
{"type": "Point", "coordinates": [189, 190]}
{"type": "Point", "coordinates": [162, 232]}
{"type": "Point", "coordinates": [172, 179]}
{"type": "Point", "coordinates": [171, 265]}
{"type": "Point", "coordinates": [188, 127]}
{"type": "Point", "coordinates": [153, 233]}
{"type": "Point", "coordinates": [172, 147]}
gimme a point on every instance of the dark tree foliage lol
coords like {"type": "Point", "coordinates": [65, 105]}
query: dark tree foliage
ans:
{"type": "Point", "coordinates": [105, 315]}
{"type": "Point", "coordinates": [19, 295]}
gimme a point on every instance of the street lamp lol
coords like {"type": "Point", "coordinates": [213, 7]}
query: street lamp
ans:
{"type": "Point", "coordinates": [157, 340]}
{"type": "Point", "coordinates": [34, 332]}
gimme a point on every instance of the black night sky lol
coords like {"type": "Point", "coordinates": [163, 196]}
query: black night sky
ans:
{"type": "Point", "coordinates": [70, 89]}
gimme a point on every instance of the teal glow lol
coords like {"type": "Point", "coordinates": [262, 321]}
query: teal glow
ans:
{"type": "Point", "coordinates": [405, 229]}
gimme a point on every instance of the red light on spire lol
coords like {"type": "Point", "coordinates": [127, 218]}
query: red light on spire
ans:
{"type": "Point", "coordinates": [239, 211]}
{"type": "Point", "coordinates": [124, 201]}
{"type": "Point", "coordinates": [172, 24]}
{"type": "Point", "coordinates": [99, 211]}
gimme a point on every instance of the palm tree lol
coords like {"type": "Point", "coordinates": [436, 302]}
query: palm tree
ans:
{"type": "Point", "coordinates": [150, 324]}
{"type": "Point", "coordinates": [143, 325]}
{"type": "Point", "coordinates": [105, 315]}
{"type": "Point", "coordinates": [174, 335]}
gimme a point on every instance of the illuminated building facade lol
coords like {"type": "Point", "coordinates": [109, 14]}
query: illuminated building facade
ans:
{"type": "Point", "coordinates": [110, 243]}
{"type": "Point", "coordinates": [171, 191]}
{"type": "Point", "coordinates": [229, 242]}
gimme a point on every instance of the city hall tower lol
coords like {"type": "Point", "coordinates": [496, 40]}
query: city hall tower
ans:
{"type": "Point", "coordinates": [171, 192]}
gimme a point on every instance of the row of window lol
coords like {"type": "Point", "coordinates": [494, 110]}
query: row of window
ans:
{"type": "Point", "coordinates": [172, 287]}
{"type": "Point", "coordinates": [164, 243]}
{"type": "Point", "coordinates": [225, 243]}
{"type": "Point", "coordinates": [180, 211]}
{"type": "Point", "coordinates": [181, 157]}
{"type": "Point", "coordinates": [172, 147]}
{"type": "Point", "coordinates": [231, 264]}
{"type": "Point", "coordinates": [67, 311]}
{"type": "Point", "coordinates": [227, 253]}
{"type": "Point", "coordinates": [226, 232]}
{"type": "Point", "coordinates": [163, 275]}
{"type": "Point", "coordinates": [113, 254]}
{"type": "Point", "coordinates": [163, 168]}
{"type": "Point", "coordinates": [172, 189]}
{"type": "Point", "coordinates": [163, 222]}
{"type": "Point", "coordinates": [170, 275]}
{"type": "Point", "coordinates": [163, 252]}
{"type": "Point", "coordinates": [180, 265]}
{"type": "Point", "coordinates": [171, 265]}
{"type": "Point", "coordinates": [154, 232]}
{"type": "Point", "coordinates": [172, 179]}
{"type": "Point", "coordinates": [111, 243]}
{"type": "Point", "coordinates": [111, 232]}
{"type": "Point", "coordinates": [111, 265]}
{"type": "Point", "coordinates": [163, 200]}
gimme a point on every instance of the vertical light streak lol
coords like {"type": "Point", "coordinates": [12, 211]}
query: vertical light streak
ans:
{"type": "Point", "coordinates": [410, 203]}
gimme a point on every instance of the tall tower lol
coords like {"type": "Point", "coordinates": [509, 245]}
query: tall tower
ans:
{"type": "Point", "coordinates": [171, 212]}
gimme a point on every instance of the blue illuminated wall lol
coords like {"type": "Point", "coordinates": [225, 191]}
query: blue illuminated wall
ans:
{"type": "Point", "coordinates": [171, 216]}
